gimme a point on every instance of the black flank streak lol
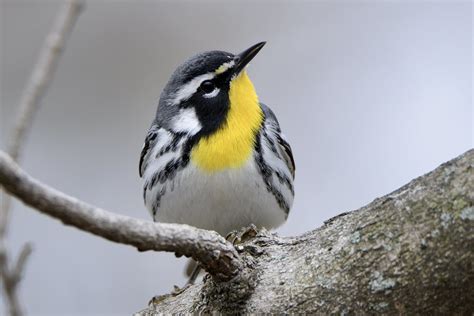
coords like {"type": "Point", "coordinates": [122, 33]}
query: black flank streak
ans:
{"type": "Point", "coordinates": [287, 149]}
{"type": "Point", "coordinates": [157, 201]}
{"type": "Point", "coordinates": [285, 180]}
{"type": "Point", "coordinates": [169, 171]}
{"type": "Point", "coordinates": [149, 140]}
{"type": "Point", "coordinates": [172, 145]}
{"type": "Point", "coordinates": [266, 173]}
{"type": "Point", "coordinates": [271, 144]}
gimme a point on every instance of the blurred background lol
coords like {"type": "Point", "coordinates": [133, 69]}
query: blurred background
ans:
{"type": "Point", "coordinates": [370, 94]}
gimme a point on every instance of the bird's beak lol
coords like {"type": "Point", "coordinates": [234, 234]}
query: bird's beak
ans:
{"type": "Point", "coordinates": [242, 59]}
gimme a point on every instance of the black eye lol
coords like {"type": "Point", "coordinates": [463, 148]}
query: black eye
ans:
{"type": "Point", "coordinates": [207, 86]}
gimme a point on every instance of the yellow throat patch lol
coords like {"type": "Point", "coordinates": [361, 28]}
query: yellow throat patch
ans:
{"type": "Point", "coordinates": [232, 144]}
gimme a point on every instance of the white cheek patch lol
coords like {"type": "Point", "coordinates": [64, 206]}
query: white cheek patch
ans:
{"type": "Point", "coordinates": [186, 121]}
{"type": "Point", "coordinates": [186, 91]}
{"type": "Point", "coordinates": [212, 94]}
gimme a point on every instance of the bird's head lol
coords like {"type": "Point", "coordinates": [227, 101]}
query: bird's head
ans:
{"type": "Point", "coordinates": [201, 92]}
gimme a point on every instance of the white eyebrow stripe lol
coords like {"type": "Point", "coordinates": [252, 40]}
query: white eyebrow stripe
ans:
{"type": "Point", "coordinates": [186, 91]}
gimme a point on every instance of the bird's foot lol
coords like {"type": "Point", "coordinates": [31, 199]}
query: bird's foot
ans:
{"type": "Point", "coordinates": [240, 236]}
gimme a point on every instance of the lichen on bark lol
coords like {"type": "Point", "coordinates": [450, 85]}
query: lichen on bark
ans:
{"type": "Point", "coordinates": [408, 252]}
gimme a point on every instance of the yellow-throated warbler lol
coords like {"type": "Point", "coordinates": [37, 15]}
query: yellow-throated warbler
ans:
{"type": "Point", "coordinates": [214, 156]}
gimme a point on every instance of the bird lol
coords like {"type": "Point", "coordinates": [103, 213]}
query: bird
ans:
{"type": "Point", "coordinates": [214, 156]}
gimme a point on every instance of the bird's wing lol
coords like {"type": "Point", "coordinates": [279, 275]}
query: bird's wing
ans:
{"type": "Point", "coordinates": [272, 126]}
{"type": "Point", "coordinates": [150, 140]}
{"type": "Point", "coordinates": [287, 153]}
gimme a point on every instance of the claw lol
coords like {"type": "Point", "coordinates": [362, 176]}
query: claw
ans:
{"type": "Point", "coordinates": [246, 233]}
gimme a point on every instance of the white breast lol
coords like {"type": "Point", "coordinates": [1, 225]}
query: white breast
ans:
{"type": "Point", "coordinates": [221, 201]}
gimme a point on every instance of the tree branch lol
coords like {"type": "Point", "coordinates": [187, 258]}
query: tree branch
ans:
{"type": "Point", "coordinates": [36, 87]}
{"type": "Point", "coordinates": [216, 255]}
{"type": "Point", "coordinates": [407, 253]}
{"type": "Point", "coordinates": [30, 100]}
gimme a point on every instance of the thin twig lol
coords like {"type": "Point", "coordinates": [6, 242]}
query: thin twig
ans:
{"type": "Point", "coordinates": [19, 267]}
{"type": "Point", "coordinates": [36, 87]}
{"type": "Point", "coordinates": [215, 254]}
{"type": "Point", "coordinates": [43, 74]}
{"type": "Point", "coordinates": [12, 277]}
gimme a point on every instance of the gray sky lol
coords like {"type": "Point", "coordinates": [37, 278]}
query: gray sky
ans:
{"type": "Point", "coordinates": [370, 95]}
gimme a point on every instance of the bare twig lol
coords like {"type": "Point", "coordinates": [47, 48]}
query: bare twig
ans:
{"type": "Point", "coordinates": [215, 254]}
{"type": "Point", "coordinates": [36, 87]}
{"type": "Point", "coordinates": [43, 74]}
{"type": "Point", "coordinates": [29, 103]}
{"type": "Point", "coordinates": [12, 277]}
{"type": "Point", "coordinates": [21, 262]}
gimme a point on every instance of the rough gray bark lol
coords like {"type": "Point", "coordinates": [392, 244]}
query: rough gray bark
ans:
{"type": "Point", "coordinates": [409, 252]}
